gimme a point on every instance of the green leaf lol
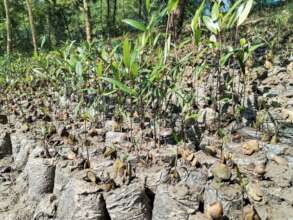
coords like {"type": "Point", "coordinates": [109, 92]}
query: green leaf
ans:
{"type": "Point", "coordinates": [225, 58]}
{"type": "Point", "coordinates": [215, 11]}
{"type": "Point", "coordinates": [134, 70]}
{"type": "Point", "coordinates": [120, 86]}
{"type": "Point", "coordinates": [126, 53]}
{"type": "Point", "coordinates": [78, 68]}
{"type": "Point", "coordinates": [148, 6]}
{"type": "Point", "coordinates": [100, 69]}
{"type": "Point", "coordinates": [212, 26]}
{"type": "Point", "coordinates": [242, 42]}
{"type": "Point", "coordinates": [230, 13]}
{"type": "Point", "coordinates": [135, 24]}
{"type": "Point", "coordinates": [196, 22]}
{"type": "Point", "coordinates": [244, 14]}
{"type": "Point", "coordinates": [232, 20]}
{"type": "Point", "coordinates": [172, 5]}
{"type": "Point", "coordinates": [254, 47]}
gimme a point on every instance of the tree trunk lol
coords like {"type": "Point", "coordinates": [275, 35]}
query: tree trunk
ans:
{"type": "Point", "coordinates": [176, 19]}
{"type": "Point", "coordinates": [32, 25]}
{"type": "Point", "coordinates": [87, 20]}
{"type": "Point", "coordinates": [8, 30]}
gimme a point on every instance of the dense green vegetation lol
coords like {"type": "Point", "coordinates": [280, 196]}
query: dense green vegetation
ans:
{"type": "Point", "coordinates": [140, 72]}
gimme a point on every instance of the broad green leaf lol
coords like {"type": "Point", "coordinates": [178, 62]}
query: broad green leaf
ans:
{"type": "Point", "coordinates": [120, 86]}
{"type": "Point", "coordinates": [100, 69]}
{"type": "Point", "coordinates": [172, 5]}
{"type": "Point", "coordinates": [126, 53]}
{"type": "Point", "coordinates": [148, 6]}
{"type": "Point", "coordinates": [135, 24]}
{"type": "Point", "coordinates": [212, 26]}
{"type": "Point", "coordinates": [244, 14]}
{"type": "Point", "coordinates": [215, 11]}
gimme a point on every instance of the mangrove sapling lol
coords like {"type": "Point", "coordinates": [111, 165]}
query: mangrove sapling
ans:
{"type": "Point", "coordinates": [216, 23]}
{"type": "Point", "coordinates": [152, 85]}
{"type": "Point", "coordinates": [241, 54]}
{"type": "Point", "coordinates": [155, 94]}
{"type": "Point", "coordinates": [100, 90]}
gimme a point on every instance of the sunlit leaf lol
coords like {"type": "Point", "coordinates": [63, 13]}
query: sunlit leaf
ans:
{"type": "Point", "coordinates": [212, 26]}
{"type": "Point", "coordinates": [244, 14]}
{"type": "Point", "coordinates": [135, 24]}
{"type": "Point", "coordinates": [242, 42]}
{"type": "Point", "coordinates": [215, 11]}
